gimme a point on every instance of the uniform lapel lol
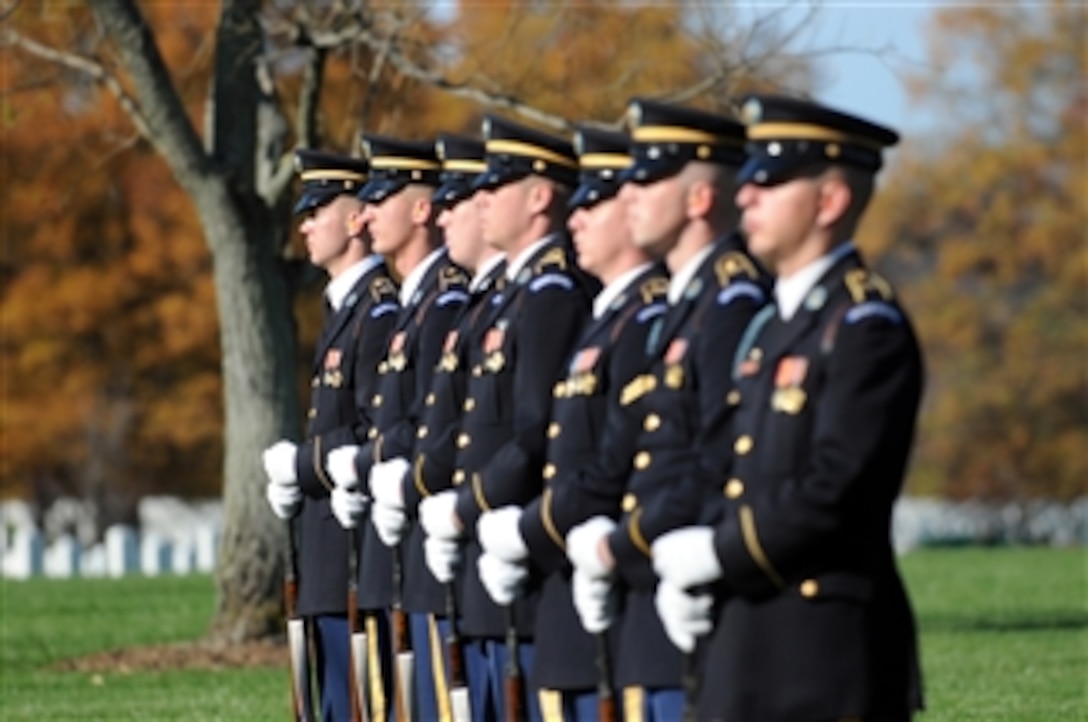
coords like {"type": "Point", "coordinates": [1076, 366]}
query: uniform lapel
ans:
{"type": "Point", "coordinates": [341, 318]}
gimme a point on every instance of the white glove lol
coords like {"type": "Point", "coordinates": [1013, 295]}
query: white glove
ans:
{"type": "Point", "coordinates": [348, 506]}
{"type": "Point", "coordinates": [684, 616]}
{"type": "Point", "coordinates": [499, 535]}
{"type": "Point", "coordinates": [341, 466]}
{"type": "Point", "coordinates": [438, 515]}
{"type": "Point", "coordinates": [390, 522]}
{"type": "Point", "coordinates": [282, 491]}
{"type": "Point", "coordinates": [686, 558]}
{"type": "Point", "coordinates": [443, 557]}
{"type": "Point", "coordinates": [502, 580]}
{"type": "Point", "coordinates": [285, 499]}
{"type": "Point", "coordinates": [279, 462]}
{"type": "Point", "coordinates": [386, 479]}
{"type": "Point", "coordinates": [594, 602]}
{"type": "Point", "coordinates": [583, 542]}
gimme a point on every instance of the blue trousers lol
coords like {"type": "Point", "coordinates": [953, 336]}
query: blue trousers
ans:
{"type": "Point", "coordinates": [565, 705]}
{"type": "Point", "coordinates": [432, 664]}
{"type": "Point", "coordinates": [655, 704]}
{"type": "Point", "coordinates": [332, 666]}
{"type": "Point", "coordinates": [485, 668]}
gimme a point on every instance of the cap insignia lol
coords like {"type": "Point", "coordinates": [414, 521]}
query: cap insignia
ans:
{"type": "Point", "coordinates": [752, 112]}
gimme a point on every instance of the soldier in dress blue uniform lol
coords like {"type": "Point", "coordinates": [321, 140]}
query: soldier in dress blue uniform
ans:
{"type": "Point", "coordinates": [680, 206]}
{"type": "Point", "coordinates": [609, 353]}
{"type": "Point", "coordinates": [530, 330]}
{"type": "Point", "coordinates": [360, 309]}
{"type": "Point", "coordinates": [404, 175]}
{"type": "Point", "coordinates": [812, 621]}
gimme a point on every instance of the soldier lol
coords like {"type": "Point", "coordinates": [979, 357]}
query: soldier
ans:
{"type": "Point", "coordinates": [404, 175]}
{"type": "Point", "coordinates": [360, 308]}
{"type": "Point", "coordinates": [398, 489]}
{"type": "Point", "coordinates": [814, 622]}
{"type": "Point", "coordinates": [680, 206]}
{"type": "Point", "coordinates": [569, 661]}
{"type": "Point", "coordinates": [530, 331]}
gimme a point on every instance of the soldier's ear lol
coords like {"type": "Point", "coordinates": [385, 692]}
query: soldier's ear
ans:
{"type": "Point", "coordinates": [356, 221]}
{"type": "Point", "coordinates": [540, 195]}
{"type": "Point", "coordinates": [700, 198]}
{"type": "Point", "coordinates": [421, 211]}
{"type": "Point", "coordinates": [834, 201]}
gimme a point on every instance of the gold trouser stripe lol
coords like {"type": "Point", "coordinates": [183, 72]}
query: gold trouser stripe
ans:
{"type": "Point", "coordinates": [417, 476]}
{"type": "Point", "coordinates": [551, 705]}
{"type": "Point", "coordinates": [549, 522]}
{"type": "Point", "coordinates": [636, 533]}
{"type": "Point", "coordinates": [478, 492]}
{"type": "Point", "coordinates": [438, 671]}
{"type": "Point", "coordinates": [634, 704]}
{"type": "Point", "coordinates": [374, 668]}
{"type": "Point", "coordinates": [751, 540]}
{"type": "Point", "coordinates": [319, 466]}
{"type": "Point", "coordinates": [378, 449]}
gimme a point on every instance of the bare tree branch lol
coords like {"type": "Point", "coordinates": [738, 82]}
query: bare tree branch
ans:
{"type": "Point", "coordinates": [87, 66]}
{"type": "Point", "coordinates": [308, 97]}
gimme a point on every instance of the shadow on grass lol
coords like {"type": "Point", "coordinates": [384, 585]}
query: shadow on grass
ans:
{"type": "Point", "coordinates": [1032, 621]}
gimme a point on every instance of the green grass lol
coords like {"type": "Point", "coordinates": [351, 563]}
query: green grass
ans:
{"type": "Point", "coordinates": [1004, 637]}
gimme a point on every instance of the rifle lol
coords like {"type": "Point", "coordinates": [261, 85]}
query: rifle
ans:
{"type": "Point", "coordinates": [606, 695]}
{"type": "Point", "coordinates": [402, 646]}
{"type": "Point", "coordinates": [297, 642]}
{"type": "Point", "coordinates": [357, 642]}
{"type": "Point", "coordinates": [459, 699]}
{"type": "Point", "coordinates": [515, 712]}
{"type": "Point", "coordinates": [691, 686]}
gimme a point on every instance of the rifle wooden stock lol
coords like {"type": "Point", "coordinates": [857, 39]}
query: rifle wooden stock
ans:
{"type": "Point", "coordinates": [606, 694]}
{"type": "Point", "coordinates": [298, 647]}
{"type": "Point", "coordinates": [515, 710]}
{"type": "Point", "coordinates": [356, 667]}
{"type": "Point", "coordinates": [460, 706]}
{"type": "Point", "coordinates": [403, 656]}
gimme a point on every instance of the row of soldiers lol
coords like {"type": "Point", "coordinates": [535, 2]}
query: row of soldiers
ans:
{"type": "Point", "coordinates": [625, 414]}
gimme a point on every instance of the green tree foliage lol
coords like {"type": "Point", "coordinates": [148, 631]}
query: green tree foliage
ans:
{"type": "Point", "coordinates": [983, 223]}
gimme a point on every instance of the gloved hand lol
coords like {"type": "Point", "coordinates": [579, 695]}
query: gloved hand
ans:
{"type": "Point", "coordinates": [594, 601]}
{"type": "Point", "coordinates": [582, 546]}
{"type": "Point", "coordinates": [386, 479]}
{"type": "Point", "coordinates": [282, 491]}
{"type": "Point", "coordinates": [390, 522]}
{"type": "Point", "coordinates": [502, 580]}
{"type": "Point", "coordinates": [499, 535]}
{"type": "Point", "coordinates": [438, 515]}
{"type": "Point", "coordinates": [443, 557]}
{"type": "Point", "coordinates": [279, 462]}
{"type": "Point", "coordinates": [684, 616]}
{"type": "Point", "coordinates": [686, 558]}
{"type": "Point", "coordinates": [348, 506]}
{"type": "Point", "coordinates": [341, 466]}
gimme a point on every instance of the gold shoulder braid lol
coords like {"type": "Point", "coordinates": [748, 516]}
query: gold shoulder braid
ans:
{"type": "Point", "coordinates": [654, 289]}
{"type": "Point", "coordinates": [732, 265]}
{"type": "Point", "coordinates": [555, 259]}
{"type": "Point", "coordinates": [864, 285]}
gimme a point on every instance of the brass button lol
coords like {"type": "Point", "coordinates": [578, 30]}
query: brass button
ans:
{"type": "Point", "coordinates": [430, 399]}
{"type": "Point", "coordinates": [383, 367]}
{"type": "Point", "coordinates": [553, 430]}
{"type": "Point", "coordinates": [470, 404]}
{"type": "Point", "coordinates": [629, 503]}
{"type": "Point", "coordinates": [642, 460]}
{"type": "Point", "coordinates": [755, 354]}
{"type": "Point", "coordinates": [422, 432]}
{"type": "Point", "coordinates": [652, 422]}
{"type": "Point", "coordinates": [810, 588]}
{"type": "Point", "coordinates": [560, 390]}
{"type": "Point", "coordinates": [315, 381]}
{"type": "Point", "coordinates": [373, 433]}
{"type": "Point", "coordinates": [743, 444]}
{"type": "Point", "coordinates": [311, 413]}
{"type": "Point", "coordinates": [377, 400]}
{"type": "Point", "coordinates": [458, 477]}
{"type": "Point", "coordinates": [549, 471]}
{"type": "Point", "coordinates": [463, 440]}
{"type": "Point", "coordinates": [734, 488]}
{"type": "Point", "coordinates": [477, 371]}
{"type": "Point", "coordinates": [733, 397]}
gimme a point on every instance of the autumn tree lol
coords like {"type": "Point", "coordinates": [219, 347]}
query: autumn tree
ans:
{"type": "Point", "coordinates": [984, 224]}
{"type": "Point", "coordinates": [115, 327]}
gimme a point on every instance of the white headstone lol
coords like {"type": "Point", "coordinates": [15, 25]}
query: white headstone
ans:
{"type": "Point", "coordinates": [62, 557]}
{"type": "Point", "coordinates": [207, 547]}
{"type": "Point", "coordinates": [122, 555]}
{"type": "Point", "coordinates": [184, 559]}
{"type": "Point", "coordinates": [25, 557]}
{"type": "Point", "coordinates": [156, 554]}
{"type": "Point", "coordinates": [93, 562]}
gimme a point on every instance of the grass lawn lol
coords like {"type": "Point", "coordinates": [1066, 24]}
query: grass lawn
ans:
{"type": "Point", "coordinates": [1004, 637]}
